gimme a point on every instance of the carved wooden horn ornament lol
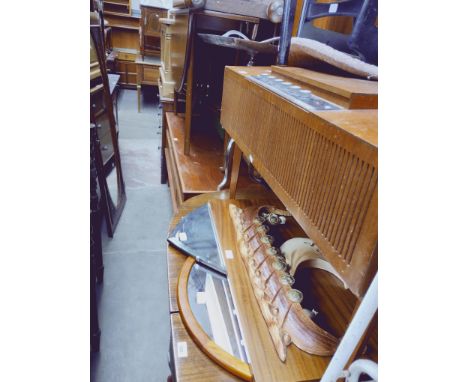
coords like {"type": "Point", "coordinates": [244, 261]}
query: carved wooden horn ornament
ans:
{"type": "Point", "coordinates": [272, 284]}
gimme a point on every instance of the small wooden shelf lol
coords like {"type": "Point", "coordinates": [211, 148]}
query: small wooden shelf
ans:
{"type": "Point", "coordinates": [116, 2]}
{"type": "Point", "coordinates": [123, 26]}
{"type": "Point", "coordinates": [199, 172]}
{"type": "Point", "coordinates": [115, 13]}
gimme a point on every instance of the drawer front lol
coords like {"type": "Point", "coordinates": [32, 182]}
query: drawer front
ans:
{"type": "Point", "coordinates": [126, 66]}
{"type": "Point", "coordinates": [126, 56]}
{"type": "Point", "coordinates": [131, 78]}
{"type": "Point", "coordinates": [131, 67]}
{"type": "Point", "coordinates": [151, 74]}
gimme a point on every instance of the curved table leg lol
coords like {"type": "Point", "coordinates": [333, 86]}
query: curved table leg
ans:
{"type": "Point", "coordinates": [227, 164]}
{"type": "Point", "coordinates": [139, 96]}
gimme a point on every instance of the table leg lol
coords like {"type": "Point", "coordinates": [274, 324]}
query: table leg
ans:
{"type": "Point", "coordinates": [227, 164]}
{"type": "Point", "coordinates": [139, 96]}
{"type": "Point", "coordinates": [236, 162]}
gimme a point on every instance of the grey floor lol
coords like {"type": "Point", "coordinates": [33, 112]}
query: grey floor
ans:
{"type": "Point", "coordinates": [133, 300]}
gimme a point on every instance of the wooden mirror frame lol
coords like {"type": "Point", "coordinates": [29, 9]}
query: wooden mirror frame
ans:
{"type": "Point", "coordinates": [226, 360]}
{"type": "Point", "coordinates": [112, 211]}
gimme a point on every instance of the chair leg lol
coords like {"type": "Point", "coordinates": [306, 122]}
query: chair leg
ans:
{"type": "Point", "coordinates": [236, 161]}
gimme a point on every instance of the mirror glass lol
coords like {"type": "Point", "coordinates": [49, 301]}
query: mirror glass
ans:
{"type": "Point", "coordinates": [212, 305]}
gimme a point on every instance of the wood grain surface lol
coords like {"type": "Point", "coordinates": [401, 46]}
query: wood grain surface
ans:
{"type": "Point", "coordinates": [335, 304]}
{"type": "Point", "coordinates": [204, 342]}
{"type": "Point", "coordinates": [265, 364]}
{"type": "Point", "coordinates": [196, 366]}
{"type": "Point", "coordinates": [322, 165]}
{"type": "Point", "coordinates": [199, 171]}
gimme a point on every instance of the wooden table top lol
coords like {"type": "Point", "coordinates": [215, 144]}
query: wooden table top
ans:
{"type": "Point", "coordinates": [148, 60]}
{"type": "Point", "coordinates": [265, 364]}
{"type": "Point", "coordinates": [197, 366]}
{"type": "Point", "coordinates": [175, 258]}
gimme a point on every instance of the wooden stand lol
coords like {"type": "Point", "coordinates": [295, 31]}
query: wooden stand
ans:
{"type": "Point", "coordinates": [166, 80]}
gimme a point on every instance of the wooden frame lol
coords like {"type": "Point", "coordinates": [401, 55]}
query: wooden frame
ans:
{"type": "Point", "coordinates": [206, 344]}
{"type": "Point", "coordinates": [112, 211]}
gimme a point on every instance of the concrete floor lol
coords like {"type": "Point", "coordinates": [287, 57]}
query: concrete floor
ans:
{"type": "Point", "coordinates": [133, 300]}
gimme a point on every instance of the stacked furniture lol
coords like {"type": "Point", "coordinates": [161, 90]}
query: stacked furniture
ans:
{"type": "Point", "coordinates": [118, 7]}
{"type": "Point", "coordinates": [191, 74]}
{"type": "Point", "coordinates": [313, 139]}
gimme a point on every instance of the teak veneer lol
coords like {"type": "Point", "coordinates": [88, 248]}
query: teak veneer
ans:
{"type": "Point", "coordinates": [265, 364]}
{"type": "Point", "coordinates": [321, 164]}
{"type": "Point", "coordinates": [199, 171]}
{"type": "Point", "coordinates": [205, 343]}
{"type": "Point", "coordinates": [336, 305]}
{"type": "Point", "coordinates": [196, 366]}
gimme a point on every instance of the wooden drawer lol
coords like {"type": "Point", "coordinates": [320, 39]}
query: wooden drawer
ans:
{"type": "Point", "coordinates": [126, 66]}
{"type": "Point", "coordinates": [131, 78]}
{"type": "Point", "coordinates": [150, 74]}
{"type": "Point", "coordinates": [126, 56]}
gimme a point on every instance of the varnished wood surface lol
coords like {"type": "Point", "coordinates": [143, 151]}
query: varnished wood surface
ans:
{"type": "Point", "coordinates": [178, 46]}
{"type": "Point", "coordinates": [126, 38]}
{"type": "Point", "coordinates": [359, 123]}
{"type": "Point", "coordinates": [341, 85]}
{"type": "Point", "coordinates": [349, 93]}
{"type": "Point", "coordinates": [197, 366]}
{"type": "Point", "coordinates": [340, 24]}
{"type": "Point", "coordinates": [322, 166]}
{"type": "Point", "coordinates": [199, 172]}
{"type": "Point", "coordinates": [205, 343]}
{"type": "Point", "coordinates": [172, 181]}
{"type": "Point", "coordinates": [265, 364]}
{"type": "Point", "coordinates": [321, 289]}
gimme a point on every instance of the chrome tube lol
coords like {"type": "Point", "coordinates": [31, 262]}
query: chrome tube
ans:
{"type": "Point", "coordinates": [286, 31]}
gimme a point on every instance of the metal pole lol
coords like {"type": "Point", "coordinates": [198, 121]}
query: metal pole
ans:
{"type": "Point", "coordinates": [289, 9]}
{"type": "Point", "coordinates": [353, 334]}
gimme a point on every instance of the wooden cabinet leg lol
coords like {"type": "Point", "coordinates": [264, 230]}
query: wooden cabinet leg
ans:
{"type": "Point", "coordinates": [139, 96]}
{"type": "Point", "coordinates": [164, 174]}
{"type": "Point", "coordinates": [236, 162]}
